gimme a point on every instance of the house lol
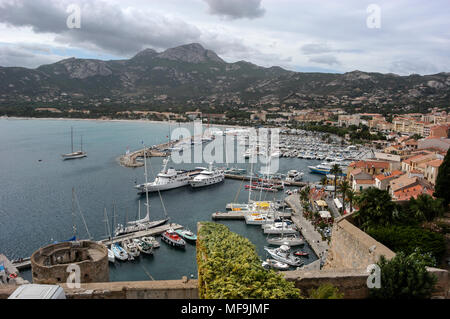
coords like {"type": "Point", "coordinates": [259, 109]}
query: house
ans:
{"type": "Point", "coordinates": [382, 180]}
{"type": "Point", "coordinates": [405, 194]}
{"type": "Point", "coordinates": [440, 143]}
{"type": "Point", "coordinates": [370, 167]}
{"type": "Point", "coordinates": [359, 185]}
{"type": "Point", "coordinates": [402, 182]}
{"type": "Point", "coordinates": [413, 162]}
{"type": "Point", "coordinates": [432, 169]}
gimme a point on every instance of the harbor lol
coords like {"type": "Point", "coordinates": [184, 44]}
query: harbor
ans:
{"type": "Point", "coordinates": [112, 183]}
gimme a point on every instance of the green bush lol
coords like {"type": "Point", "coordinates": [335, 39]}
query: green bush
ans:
{"type": "Point", "coordinates": [409, 238]}
{"type": "Point", "coordinates": [404, 277]}
{"type": "Point", "coordinates": [325, 291]}
{"type": "Point", "coordinates": [229, 268]}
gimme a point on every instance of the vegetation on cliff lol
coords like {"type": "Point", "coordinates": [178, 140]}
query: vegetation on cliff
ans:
{"type": "Point", "coordinates": [229, 268]}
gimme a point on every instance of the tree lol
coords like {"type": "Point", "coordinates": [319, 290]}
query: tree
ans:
{"type": "Point", "coordinates": [324, 181]}
{"type": "Point", "coordinates": [335, 170]}
{"type": "Point", "coordinates": [442, 188]}
{"type": "Point", "coordinates": [351, 197]}
{"type": "Point", "coordinates": [425, 208]}
{"type": "Point", "coordinates": [376, 208]}
{"type": "Point", "coordinates": [404, 277]}
{"type": "Point", "coordinates": [344, 188]}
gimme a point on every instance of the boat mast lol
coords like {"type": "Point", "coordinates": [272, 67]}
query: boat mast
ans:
{"type": "Point", "coordinates": [251, 175]}
{"type": "Point", "coordinates": [71, 137]}
{"type": "Point", "coordinates": [146, 186]}
{"type": "Point", "coordinates": [82, 143]}
{"type": "Point", "coordinates": [74, 227]}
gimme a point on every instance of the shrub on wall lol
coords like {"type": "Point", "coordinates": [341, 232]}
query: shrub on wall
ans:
{"type": "Point", "coordinates": [404, 277]}
{"type": "Point", "coordinates": [325, 291]}
{"type": "Point", "coordinates": [408, 238]}
{"type": "Point", "coordinates": [229, 268]}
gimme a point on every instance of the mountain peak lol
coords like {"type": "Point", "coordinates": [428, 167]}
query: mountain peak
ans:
{"type": "Point", "coordinates": [192, 53]}
{"type": "Point", "coordinates": [146, 53]}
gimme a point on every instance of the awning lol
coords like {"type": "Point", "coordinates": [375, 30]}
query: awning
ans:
{"type": "Point", "coordinates": [325, 214]}
{"type": "Point", "coordinates": [338, 203]}
{"type": "Point", "coordinates": [321, 203]}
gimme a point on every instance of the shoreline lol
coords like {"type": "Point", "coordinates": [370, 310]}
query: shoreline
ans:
{"type": "Point", "coordinates": [113, 120]}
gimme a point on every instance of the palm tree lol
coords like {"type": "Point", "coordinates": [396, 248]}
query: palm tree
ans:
{"type": "Point", "coordinates": [344, 188]}
{"type": "Point", "coordinates": [324, 181]}
{"type": "Point", "coordinates": [351, 196]}
{"type": "Point", "coordinates": [335, 170]}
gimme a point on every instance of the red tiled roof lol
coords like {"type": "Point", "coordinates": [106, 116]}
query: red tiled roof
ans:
{"type": "Point", "coordinates": [435, 163]}
{"type": "Point", "coordinates": [369, 164]}
{"type": "Point", "coordinates": [413, 191]}
{"type": "Point", "coordinates": [393, 174]}
{"type": "Point", "coordinates": [365, 181]}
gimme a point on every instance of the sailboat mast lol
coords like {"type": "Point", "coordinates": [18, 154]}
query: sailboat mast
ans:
{"type": "Point", "coordinates": [71, 137]}
{"type": "Point", "coordinates": [146, 184]}
{"type": "Point", "coordinates": [81, 142]}
{"type": "Point", "coordinates": [74, 227]}
{"type": "Point", "coordinates": [251, 175]}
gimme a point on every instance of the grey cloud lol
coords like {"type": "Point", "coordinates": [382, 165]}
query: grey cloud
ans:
{"type": "Point", "coordinates": [314, 48]}
{"type": "Point", "coordinates": [103, 26]}
{"type": "Point", "coordinates": [236, 9]}
{"type": "Point", "coordinates": [325, 59]}
{"type": "Point", "coordinates": [20, 56]}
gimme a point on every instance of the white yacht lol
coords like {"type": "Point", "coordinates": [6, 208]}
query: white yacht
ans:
{"type": "Point", "coordinates": [280, 228]}
{"type": "Point", "coordinates": [208, 177]}
{"type": "Point", "coordinates": [168, 179]}
{"type": "Point", "coordinates": [284, 255]}
{"type": "Point", "coordinates": [286, 239]}
{"type": "Point", "coordinates": [77, 154]}
{"type": "Point", "coordinates": [294, 176]}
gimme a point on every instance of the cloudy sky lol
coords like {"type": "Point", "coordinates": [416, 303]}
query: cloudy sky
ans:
{"type": "Point", "coordinates": [407, 36]}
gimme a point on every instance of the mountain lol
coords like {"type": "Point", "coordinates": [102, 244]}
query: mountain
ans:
{"type": "Point", "coordinates": [190, 75]}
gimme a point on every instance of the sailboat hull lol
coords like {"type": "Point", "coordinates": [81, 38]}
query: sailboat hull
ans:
{"type": "Point", "coordinates": [73, 156]}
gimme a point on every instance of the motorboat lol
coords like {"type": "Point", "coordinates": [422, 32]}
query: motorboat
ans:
{"type": "Point", "coordinates": [150, 240]}
{"type": "Point", "coordinates": [301, 253]}
{"type": "Point", "coordinates": [293, 239]}
{"type": "Point", "coordinates": [284, 254]}
{"type": "Point", "coordinates": [143, 246]}
{"type": "Point", "coordinates": [187, 234]}
{"type": "Point", "coordinates": [119, 252]}
{"type": "Point", "coordinates": [272, 263]}
{"type": "Point", "coordinates": [279, 228]}
{"type": "Point", "coordinates": [208, 177]}
{"type": "Point", "coordinates": [111, 257]}
{"type": "Point", "coordinates": [131, 248]}
{"type": "Point", "coordinates": [294, 176]}
{"type": "Point", "coordinates": [172, 238]}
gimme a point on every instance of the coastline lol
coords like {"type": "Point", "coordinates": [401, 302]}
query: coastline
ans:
{"type": "Point", "coordinates": [111, 120]}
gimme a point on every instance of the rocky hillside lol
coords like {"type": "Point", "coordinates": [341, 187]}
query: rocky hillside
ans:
{"type": "Point", "coordinates": [189, 75]}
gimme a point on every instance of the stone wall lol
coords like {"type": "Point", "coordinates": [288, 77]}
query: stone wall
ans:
{"type": "Point", "coordinates": [352, 283]}
{"type": "Point", "coordinates": [351, 248]}
{"type": "Point", "coordinates": [161, 289]}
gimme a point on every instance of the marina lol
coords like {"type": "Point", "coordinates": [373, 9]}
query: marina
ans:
{"type": "Point", "coordinates": [100, 181]}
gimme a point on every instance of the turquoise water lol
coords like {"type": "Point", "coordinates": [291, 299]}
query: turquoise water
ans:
{"type": "Point", "coordinates": [36, 196]}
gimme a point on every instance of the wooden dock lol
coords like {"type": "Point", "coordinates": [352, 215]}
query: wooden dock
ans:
{"type": "Point", "coordinates": [247, 178]}
{"type": "Point", "coordinates": [150, 232]}
{"type": "Point", "coordinates": [239, 215]}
